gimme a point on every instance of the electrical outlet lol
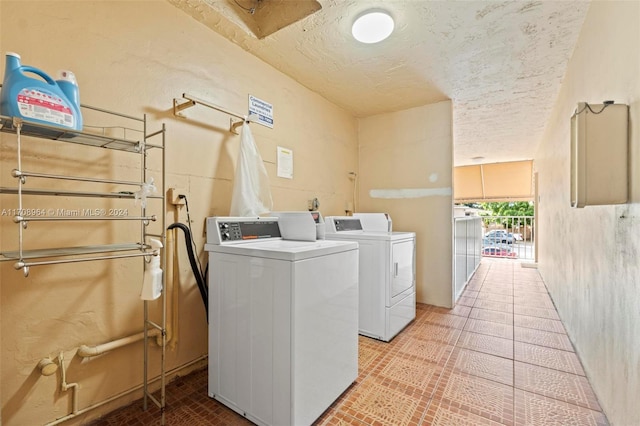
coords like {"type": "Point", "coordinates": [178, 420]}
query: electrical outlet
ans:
{"type": "Point", "coordinates": [173, 197]}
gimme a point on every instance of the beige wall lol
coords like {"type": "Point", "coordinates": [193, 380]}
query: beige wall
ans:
{"type": "Point", "coordinates": [589, 257]}
{"type": "Point", "coordinates": [135, 57]}
{"type": "Point", "coordinates": [406, 170]}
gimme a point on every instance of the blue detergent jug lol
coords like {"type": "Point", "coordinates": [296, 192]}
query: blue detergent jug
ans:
{"type": "Point", "coordinates": [50, 102]}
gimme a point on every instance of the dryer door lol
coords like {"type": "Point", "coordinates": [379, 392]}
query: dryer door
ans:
{"type": "Point", "coordinates": [402, 270]}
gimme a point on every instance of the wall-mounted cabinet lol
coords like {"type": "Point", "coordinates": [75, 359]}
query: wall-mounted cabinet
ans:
{"type": "Point", "coordinates": [599, 154]}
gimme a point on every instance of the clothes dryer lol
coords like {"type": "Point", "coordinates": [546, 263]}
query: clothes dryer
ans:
{"type": "Point", "coordinates": [283, 320]}
{"type": "Point", "coordinates": [387, 284]}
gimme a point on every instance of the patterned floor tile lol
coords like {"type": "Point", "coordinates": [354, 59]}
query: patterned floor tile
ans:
{"type": "Point", "coordinates": [543, 338]}
{"type": "Point", "coordinates": [443, 414]}
{"type": "Point", "coordinates": [374, 403]}
{"type": "Point", "coordinates": [534, 303]}
{"type": "Point", "coordinates": [474, 286]}
{"type": "Point", "coordinates": [337, 418]}
{"type": "Point", "coordinates": [446, 320]}
{"type": "Point", "coordinates": [537, 410]}
{"type": "Point", "coordinates": [483, 365]}
{"type": "Point", "coordinates": [420, 307]}
{"type": "Point", "coordinates": [496, 297]}
{"type": "Point", "coordinates": [556, 384]}
{"type": "Point", "coordinates": [536, 312]}
{"type": "Point", "coordinates": [504, 278]}
{"type": "Point", "coordinates": [527, 275]}
{"type": "Point", "coordinates": [466, 301]}
{"type": "Point", "coordinates": [368, 355]}
{"type": "Point", "coordinates": [415, 372]}
{"type": "Point", "coordinates": [491, 328]}
{"type": "Point", "coordinates": [492, 316]}
{"type": "Point", "coordinates": [471, 294]}
{"type": "Point", "coordinates": [493, 306]}
{"type": "Point", "coordinates": [536, 323]}
{"type": "Point", "coordinates": [547, 357]}
{"type": "Point", "coordinates": [433, 373]}
{"type": "Point", "coordinates": [521, 287]}
{"type": "Point", "coordinates": [496, 289]}
{"type": "Point", "coordinates": [436, 333]}
{"type": "Point", "coordinates": [487, 344]}
{"type": "Point", "coordinates": [458, 310]}
{"type": "Point", "coordinates": [427, 350]}
{"type": "Point", "coordinates": [530, 295]}
{"type": "Point", "coordinates": [482, 397]}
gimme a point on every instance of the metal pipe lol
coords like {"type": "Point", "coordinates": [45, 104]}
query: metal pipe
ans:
{"type": "Point", "coordinates": [22, 264]}
{"type": "Point", "coordinates": [154, 325]}
{"type": "Point", "coordinates": [143, 178]}
{"type": "Point", "coordinates": [19, 173]}
{"type": "Point", "coordinates": [111, 112]}
{"type": "Point", "coordinates": [163, 260]}
{"type": "Point", "coordinates": [18, 219]}
{"type": "Point", "coordinates": [213, 106]}
{"type": "Point", "coordinates": [150, 135]}
{"type": "Point", "coordinates": [18, 125]}
{"type": "Point", "coordinates": [55, 192]}
{"type": "Point", "coordinates": [121, 394]}
{"type": "Point", "coordinates": [86, 351]}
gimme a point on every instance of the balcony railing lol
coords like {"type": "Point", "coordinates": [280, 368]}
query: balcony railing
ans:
{"type": "Point", "coordinates": [511, 237]}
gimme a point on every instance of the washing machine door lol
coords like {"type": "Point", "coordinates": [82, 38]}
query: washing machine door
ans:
{"type": "Point", "coordinates": [402, 269]}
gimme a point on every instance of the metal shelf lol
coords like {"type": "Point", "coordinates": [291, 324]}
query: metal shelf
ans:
{"type": "Point", "coordinates": [69, 251]}
{"type": "Point", "coordinates": [25, 259]}
{"type": "Point", "coordinates": [72, 136]}
{"type": "Point", "coordinates": [56, 192]}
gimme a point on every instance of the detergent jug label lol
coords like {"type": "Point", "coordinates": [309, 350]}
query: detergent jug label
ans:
{"type": "Point", "coordinates": [45, 106]}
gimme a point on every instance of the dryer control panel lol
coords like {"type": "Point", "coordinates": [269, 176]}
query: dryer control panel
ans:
{"type": "Point", "coordinates": [342, 223]}
{"type": "Point", "coordinates": [221, 230]}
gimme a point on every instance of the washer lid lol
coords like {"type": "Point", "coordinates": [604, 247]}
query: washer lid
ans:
{"type": "Point", "coordinates": [284, 249]}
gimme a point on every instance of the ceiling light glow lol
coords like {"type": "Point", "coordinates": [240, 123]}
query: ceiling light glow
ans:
{"type": "Point", "coordinates": [372, 27]}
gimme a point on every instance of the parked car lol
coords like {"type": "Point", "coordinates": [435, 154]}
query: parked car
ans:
{"type": "Point", "coordinates": [499, 236]}
{"type": "Point", "coordinates": [517, 237]}
{"type": "Point", "coordinates": [499, 252]}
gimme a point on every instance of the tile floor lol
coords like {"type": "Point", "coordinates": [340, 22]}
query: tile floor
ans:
{"type": "Point", "coordinates": [501, 356]}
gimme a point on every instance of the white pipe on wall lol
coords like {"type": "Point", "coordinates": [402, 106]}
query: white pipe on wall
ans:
{"type": "Point", "coordinates": [66, 386]}
{"type": "Point", "coordinates": [89, 351]}
{"type": "Point", "coordinates": [77, 412]}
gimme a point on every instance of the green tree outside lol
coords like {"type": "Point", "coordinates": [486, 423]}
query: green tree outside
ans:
{"type": "Point", "coordinates": [511, 215]}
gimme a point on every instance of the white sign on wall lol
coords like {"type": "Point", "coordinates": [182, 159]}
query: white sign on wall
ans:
{"type": "Point", "coordinates": [285, 163]}
{"type": "Point", "coordinates": [264, 111]}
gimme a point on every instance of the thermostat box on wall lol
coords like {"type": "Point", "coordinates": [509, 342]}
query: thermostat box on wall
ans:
{"type": "Point", "coordinates": [599, 154]}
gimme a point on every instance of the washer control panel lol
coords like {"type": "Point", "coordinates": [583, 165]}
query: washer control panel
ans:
{"type": "Point", "coordinates": [221, 230]}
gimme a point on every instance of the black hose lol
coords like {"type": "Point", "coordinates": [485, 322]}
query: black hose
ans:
{"type": "Point", "coordinates": [200, 278]}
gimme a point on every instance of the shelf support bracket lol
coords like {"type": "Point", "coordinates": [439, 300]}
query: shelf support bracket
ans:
{"type": "Point", "coordinates": [177, 107]}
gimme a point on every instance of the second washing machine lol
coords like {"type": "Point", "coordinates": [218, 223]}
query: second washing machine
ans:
{"type": "Point", "coordinates": [387, 279]}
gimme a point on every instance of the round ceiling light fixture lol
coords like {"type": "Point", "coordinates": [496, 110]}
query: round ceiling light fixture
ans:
{"type": "Point", "coordinates": [372, 27]}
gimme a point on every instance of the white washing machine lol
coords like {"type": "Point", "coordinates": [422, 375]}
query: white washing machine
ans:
{"type": "Point", "coordinates": [283, 320]}
{"type": "Point", "coordinates": [387, 273]}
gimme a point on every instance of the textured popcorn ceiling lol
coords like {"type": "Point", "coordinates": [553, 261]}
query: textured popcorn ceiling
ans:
{"type": "Point", "coordinates": [500, 62]}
